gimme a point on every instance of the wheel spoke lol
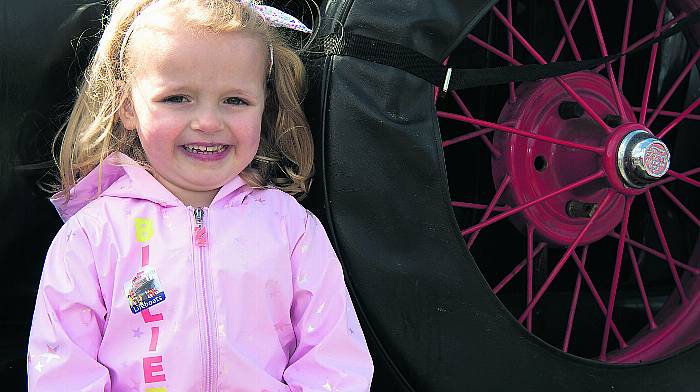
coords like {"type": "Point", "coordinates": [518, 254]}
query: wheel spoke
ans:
{"type": "Point", "coordinates": [530, 256]}
{"type": "Point", "coordinates": [596, 296]}
{"type": "Point", "coordinates": [598, 30]}
{"type": "Point", "coordinates": [678, 119]}
{"type": "Point", "coordinates": [475, 206]}
{"type": "Point", "coordinates": [583, 104]}
{"type": "Point", "coordinates": [511, 85]}
{"type": "Point", "coordinates": [499, 127]}
{"type": "Point", "coordinates": [652, 62]}
{"type": "Point", "coordinates": [616, 93]}
{"type": "Point", "coordinates": [684, 178]}
{"type": "Point", "coordinates": [673, 87]}
{"type": "Point", "coordinates": [493, 50]}
{"type": "Point", "coordinates": [574, 303]}
{"type": "Point", "coordinates": [517, 269]}
{"type": "Point", "coordinates": [574, 17]}
{"type": "Point", "coordinates": [640, 284]}
{"type": "Point", "coordinates": [466, 137]}
{"type": "Point", "coordinates": [567, 254]}
{"type": "Point", "coordinates": [680, 205]}
{"type": "Point", "coordinates": [629, 241]}
{"type": "Point", "coordinates": [671, 179]}
{"type": "Point", "coordinates": [650, 36]}
{"type": "Point", "coordinates": [559, 80]}
{"type": "Point", "coordinates": [625, 41]}
{"type": "Point", "coordinates": [668, 113]}
{"type": "Point", "coordinates": [567, 30]}
{"type": "Point", "coordinates": [519, 36]}
{"type": "Point", "coordinates": [664, 245]}
{"type": "Point", "coordinates": [604, 51]}
{"type": "Point", "coordinates": [616, 276]}
{"type": "Point", "coordinates": [467, 113]}
{"type": "Point", "coordinates": [515, 210]}
{"type": "Point", "coordinates": [489, 209]}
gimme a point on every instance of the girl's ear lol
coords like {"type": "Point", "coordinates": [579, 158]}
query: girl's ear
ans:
{"type": "Point", "coordinates": [127, 114]}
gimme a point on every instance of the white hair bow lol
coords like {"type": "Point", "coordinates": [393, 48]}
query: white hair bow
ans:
{"type": "Point", "coordinates": [278, 18]}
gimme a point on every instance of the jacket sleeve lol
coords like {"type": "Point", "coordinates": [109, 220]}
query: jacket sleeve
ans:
{"type": "Point", "coordinates": [69, 319]}
{"type": "Point", "coordinates": [331, 353]}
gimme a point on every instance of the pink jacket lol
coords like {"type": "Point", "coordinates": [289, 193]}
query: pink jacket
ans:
{"type": "Point", "coordinates": [142, 293]}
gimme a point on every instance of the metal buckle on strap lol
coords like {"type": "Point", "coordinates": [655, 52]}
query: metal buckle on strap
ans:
{"type": "Point", "coordinates": [446, 85]}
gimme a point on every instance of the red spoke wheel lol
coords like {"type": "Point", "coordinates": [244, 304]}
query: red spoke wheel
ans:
{"type": "Point", "coordinates": [588, 177]}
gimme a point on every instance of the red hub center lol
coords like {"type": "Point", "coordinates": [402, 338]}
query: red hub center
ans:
{"type": "Point", "coordinates": [544, 108]}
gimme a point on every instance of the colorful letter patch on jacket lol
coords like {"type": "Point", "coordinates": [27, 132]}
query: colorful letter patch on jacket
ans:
{"type": "Point", "coordinates": [144, 229]}
{"type": "Point", "coordinates": [144, 290]}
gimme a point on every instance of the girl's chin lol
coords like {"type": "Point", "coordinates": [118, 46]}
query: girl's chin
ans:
{"type": "Point", "coordinates": [194, 183]}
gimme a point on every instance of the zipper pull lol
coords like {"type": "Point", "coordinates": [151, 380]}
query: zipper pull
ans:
{"type": "Point", "coordinates": [200, 231]}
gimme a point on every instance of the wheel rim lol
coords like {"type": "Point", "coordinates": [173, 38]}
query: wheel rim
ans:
{"type": "Point", "coordinates": [579, 171]}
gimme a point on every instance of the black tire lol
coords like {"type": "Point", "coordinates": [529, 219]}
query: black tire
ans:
{"type": "Point", "coordinates": [430, 318]}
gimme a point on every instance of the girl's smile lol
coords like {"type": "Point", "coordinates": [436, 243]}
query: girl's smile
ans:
{"type": "Point", "coordinates": [207, 152]}
{"type": "Point", "coordinates": [196, 101]}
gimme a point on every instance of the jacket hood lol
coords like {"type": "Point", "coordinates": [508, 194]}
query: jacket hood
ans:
{"type": "Point", "coordinates": [121, 176]}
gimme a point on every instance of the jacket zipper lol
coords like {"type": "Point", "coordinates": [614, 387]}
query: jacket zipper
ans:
{"type": "Point", "coordinates": [200, 237]}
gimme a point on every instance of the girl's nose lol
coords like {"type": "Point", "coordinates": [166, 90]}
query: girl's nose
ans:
{"type": "Point", "coordinates": [207, 120]}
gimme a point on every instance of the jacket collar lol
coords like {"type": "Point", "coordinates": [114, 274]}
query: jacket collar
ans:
{"type": "Point", "coordinates": [120, 176]}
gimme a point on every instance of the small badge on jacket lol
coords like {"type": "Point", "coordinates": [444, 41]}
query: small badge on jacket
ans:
{"type": "Point", "coordinates": [144, 290]}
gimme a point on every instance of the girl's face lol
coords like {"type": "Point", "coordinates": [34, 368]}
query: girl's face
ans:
{"type": "Point", "coordinates": [197, 102]}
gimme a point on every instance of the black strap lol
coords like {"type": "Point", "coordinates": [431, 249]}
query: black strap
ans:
{"type": "Point", "coordinates": [422, 66]}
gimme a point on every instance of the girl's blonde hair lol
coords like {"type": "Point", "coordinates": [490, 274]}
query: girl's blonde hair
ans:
{"type": "Point", "coordinates": [93, 131]}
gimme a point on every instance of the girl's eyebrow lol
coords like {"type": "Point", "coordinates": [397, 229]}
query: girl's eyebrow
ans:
{"type": "Point", "coordinates": [239, 91]}
{"type": "Point", "coordinates": [164, 84]}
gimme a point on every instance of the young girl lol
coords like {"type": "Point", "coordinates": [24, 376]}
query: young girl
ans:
{"type": "Point", "coordinates": [184, 263]}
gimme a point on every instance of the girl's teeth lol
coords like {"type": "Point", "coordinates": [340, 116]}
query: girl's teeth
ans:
{"type": "Point", "coordinates": [204, 149]}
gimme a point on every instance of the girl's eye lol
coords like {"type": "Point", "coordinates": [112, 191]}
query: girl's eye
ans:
{"type": "Point", "coordinates": [235, 101]}
{"type": "Point", "coordinates": [175, 99]}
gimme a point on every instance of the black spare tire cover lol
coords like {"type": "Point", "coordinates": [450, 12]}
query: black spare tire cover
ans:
{"type": "Point", "coordinates": [430, 319]}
